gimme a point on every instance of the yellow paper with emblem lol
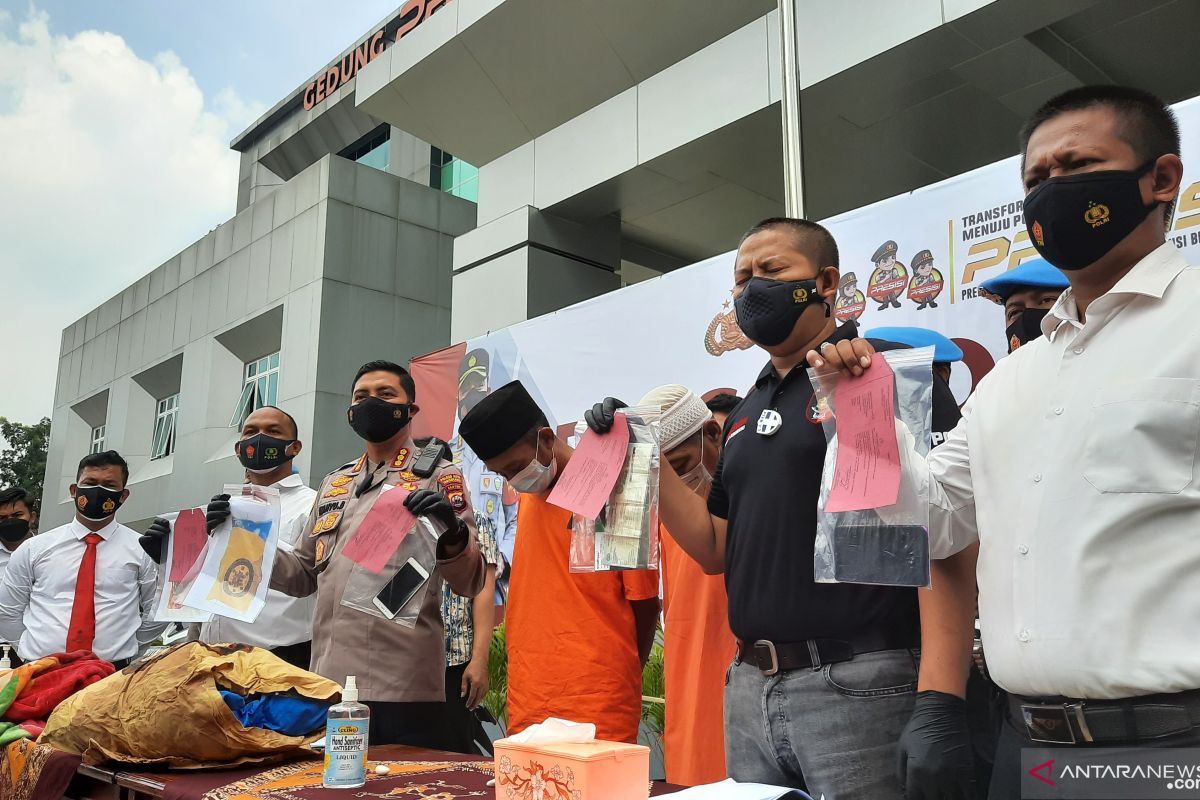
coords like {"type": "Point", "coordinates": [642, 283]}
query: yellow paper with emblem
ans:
{"type": "Point", "coordinates": [236, 573]}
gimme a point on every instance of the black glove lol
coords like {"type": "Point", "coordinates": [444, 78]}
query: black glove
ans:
{"type": "Point", "coordinates": [600, 418]}
{"type": "Point", "coordinates": [433, 504]}
{"type": "Point", "coordinates": [155, 538]}
{"type": "Point", "coordinates": [935, 750]}
{"type": "Point", "coordinates": [217, 512]}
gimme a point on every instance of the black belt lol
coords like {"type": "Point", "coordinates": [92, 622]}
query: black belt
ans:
{"type": "Point", "coordinates": [122, 663]}
{"type": "Point", "coordinates": [775, 657]}
{"type": "Point", "coordinates": [1066, 721]}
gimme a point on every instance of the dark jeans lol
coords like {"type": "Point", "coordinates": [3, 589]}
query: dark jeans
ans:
{"type": "Point", "coordinates": [830, 731]}
{"type": "Point", "coordinates": [464, 727]}
{"type": "Point", "coordinates": [1006, 774]}
{"type": "Point", "coordinates": [415, 724]}
{"type": "Point", "coordinates": [298, 655]}
{"type": "Point", "coordinates": [986, 703]}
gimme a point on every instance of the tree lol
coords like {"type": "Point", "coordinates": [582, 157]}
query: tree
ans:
{"type": "Point", "coordinates": [23, 462]}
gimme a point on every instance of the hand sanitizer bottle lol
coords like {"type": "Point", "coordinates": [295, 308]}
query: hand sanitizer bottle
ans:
{"type": "Point", "coordinates": [346, 736]}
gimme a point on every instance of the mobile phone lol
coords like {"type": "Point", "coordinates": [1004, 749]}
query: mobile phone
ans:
{"type": "Point", "coordinates": [401, 588]}
{"type": "Point", "coordinates": [887, 555]}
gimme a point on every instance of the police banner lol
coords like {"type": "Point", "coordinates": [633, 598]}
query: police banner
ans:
{"type": "Point", "coordinates": [912, 260]}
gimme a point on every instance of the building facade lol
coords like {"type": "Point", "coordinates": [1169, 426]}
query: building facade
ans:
{"type": "Point", "coordinates": [594, 145]}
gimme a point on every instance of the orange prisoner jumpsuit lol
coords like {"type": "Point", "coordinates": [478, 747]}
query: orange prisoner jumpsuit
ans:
{"type": "Point", "coordinates": [698, 647]}
{"type": "Point", "coordinates": [572, 639]}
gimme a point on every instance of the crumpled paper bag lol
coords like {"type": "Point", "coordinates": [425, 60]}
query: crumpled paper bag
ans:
{"type": "Point", "coordinates": [168, 710]}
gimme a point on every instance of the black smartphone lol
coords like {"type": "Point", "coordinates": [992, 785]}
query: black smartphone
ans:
{"type": "Point", "coordinates": [890, 555]}
{"type": "Point", "coordinates": [400, 589]}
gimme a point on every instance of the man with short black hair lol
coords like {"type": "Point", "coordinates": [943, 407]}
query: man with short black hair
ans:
{"type": "Point", "coordinates": [269, 442]}
{"type": "Point", "coordinates": [17, 522]}
{"type": "Point", "coordinates": [86, 585]}
{"type": "Point", "coordinates": [722, 405]}
{"type": "Point", "coordinates": [1083, 494]}
{"type": "Point", "coordinates": [401, 668]}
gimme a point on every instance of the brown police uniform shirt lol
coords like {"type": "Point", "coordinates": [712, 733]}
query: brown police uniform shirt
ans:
{"type": "Point", "coordinates": [392, 663]}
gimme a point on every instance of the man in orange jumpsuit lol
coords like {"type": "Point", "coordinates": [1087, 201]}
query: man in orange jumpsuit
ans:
{"type": "Point", "coordinates": [576, 642]}
{"type": "Point", "coordinates": [698, 644]}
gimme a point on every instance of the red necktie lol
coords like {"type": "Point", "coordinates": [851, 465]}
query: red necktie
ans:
{"type": "Point", "coordinates": [82, 631]}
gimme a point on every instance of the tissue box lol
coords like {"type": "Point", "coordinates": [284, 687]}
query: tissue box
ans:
{"type": "Point", "coordinates": [596, 770]}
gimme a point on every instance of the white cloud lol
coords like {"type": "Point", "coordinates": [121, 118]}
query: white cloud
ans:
{"type": "Point", "coordinates": [110, 164]}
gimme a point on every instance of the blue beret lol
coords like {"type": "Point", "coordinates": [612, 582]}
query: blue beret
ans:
{"type": "Point", "coordinates": [1036, 273]}
{"type": "Point", "coordinates": [944, 350]}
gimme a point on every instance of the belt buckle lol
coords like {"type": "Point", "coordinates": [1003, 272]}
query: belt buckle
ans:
{"type": "Point", "coordinates": [1052, 723]}
{"type": "Point", "coordinates": [768, 646]}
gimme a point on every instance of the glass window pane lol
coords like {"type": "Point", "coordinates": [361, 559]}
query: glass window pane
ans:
{"type": "Point", "coordinates": [239, 411]}
{"type": "Point", "coordinates": [275, 360]}
{"type": "Point", "coordinates": [273, 389]}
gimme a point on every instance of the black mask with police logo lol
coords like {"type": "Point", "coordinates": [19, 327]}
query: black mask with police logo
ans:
{"type": "Point", "coordinates": [1026, 327]}
{"type": "Point", "coordinates": [767, 310]}
{"type": "Point", "coordinates": [1074, 220]}
{"type": "Point", "coordinates": [263, 453]}
{"type": "Point", "coordinates": [378, 420]}
{"type": "Point", "coordinates": [13, 529]}
{"type": "Point", "coordinates": [97, 502]}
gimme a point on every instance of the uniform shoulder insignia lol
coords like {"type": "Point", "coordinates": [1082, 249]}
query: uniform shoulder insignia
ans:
{"type": "Point", "coordinates": [453, 487]}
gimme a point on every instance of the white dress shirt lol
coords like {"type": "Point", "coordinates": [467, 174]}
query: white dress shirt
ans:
{"type": "Point", "coordinates": [5, 555]}
{"type": "Point", "coordinates": [284, 620]}
{"type": "Point", "coordinates": [1075, 467]}
{"type": "Point", "coordinates": [38, 592]}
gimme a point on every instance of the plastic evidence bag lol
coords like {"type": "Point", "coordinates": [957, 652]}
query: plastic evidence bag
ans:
{"type": "Point", "coordinates": [880, 532]}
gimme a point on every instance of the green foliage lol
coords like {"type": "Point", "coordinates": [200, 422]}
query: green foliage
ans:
{"type": "Point", "coordinates": [23, 462]}
{"type": "Point", "coordinates": [496, 700]}
{"type": "Point", "coordinates": [654, 686]}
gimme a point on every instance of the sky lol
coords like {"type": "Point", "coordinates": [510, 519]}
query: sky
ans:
{"type": "Point", "coordinates": [115, 123]}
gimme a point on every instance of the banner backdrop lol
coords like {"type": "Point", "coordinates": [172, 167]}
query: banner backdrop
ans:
{"type": "Point", "coordinates": [915, 260]}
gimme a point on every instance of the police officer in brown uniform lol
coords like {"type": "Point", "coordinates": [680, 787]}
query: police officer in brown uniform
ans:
{"type": "Point", "coordinates": [400, 669]}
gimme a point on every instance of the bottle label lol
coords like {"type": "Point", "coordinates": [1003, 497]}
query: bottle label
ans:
{"type": "Point", "coordinates": [345, 752]}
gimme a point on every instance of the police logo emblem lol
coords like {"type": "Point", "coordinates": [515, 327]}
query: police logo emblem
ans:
{"type": "Point", "coordinates": [108, 507]}
{"type": "Point", "coordinates": [800, 295]}
{"type": "Point", "coordinates": [1036, 230]}
{"type": "Point", "coordinates": [239, 578]}
{"type": "Point", "coordinates": [320, 554]}
{"type": "Point", "coordinates": [1096, 215]}
{"type": "Point", "coordinates": [769, 422]}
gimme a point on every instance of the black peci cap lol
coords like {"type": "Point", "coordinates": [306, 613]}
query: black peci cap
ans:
{"type": "Point", "coordinates": [500, 420]}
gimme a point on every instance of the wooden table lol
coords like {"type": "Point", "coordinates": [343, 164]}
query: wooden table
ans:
{"type": "Point", "coordinates": [116, 783]}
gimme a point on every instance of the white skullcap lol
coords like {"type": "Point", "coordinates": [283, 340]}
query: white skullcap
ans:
{"type": "Point", "coordinates": [683, 413]}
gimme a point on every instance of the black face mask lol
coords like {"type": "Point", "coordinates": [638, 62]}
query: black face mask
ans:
{"type": "Point", "coordinates": [767, 310]}
{"type": "Point", "coordinates": [96, 502]}
{"type": "Point", "coordinates": [13, 530]}
{"type": "Point", "coordinates": [263, 453]}
{"type": "Point", "coordinates": [378, 420]}
{"type": "Point", "coordinates": [1026, 327]}
{"type": "Point", "coordinates": [1075, 219]}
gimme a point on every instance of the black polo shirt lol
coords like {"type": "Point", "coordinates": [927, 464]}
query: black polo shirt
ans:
{"type": "Point", "coordinates": [767, 488]}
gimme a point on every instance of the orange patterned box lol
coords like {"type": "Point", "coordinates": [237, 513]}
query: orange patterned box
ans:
{"type": "Point", "coordinates": [572, 771]}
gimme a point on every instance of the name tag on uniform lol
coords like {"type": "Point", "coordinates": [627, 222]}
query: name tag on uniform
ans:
{"type": "Point", "coordinates": [769, 422]}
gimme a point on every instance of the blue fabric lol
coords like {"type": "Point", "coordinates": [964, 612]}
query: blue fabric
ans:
{"type": "Point", "coordinates": [286, 714]}
{"type": "Point", "coordinates": [944, 350]}
{"type": "Point", "coordinates": [1035, 273]}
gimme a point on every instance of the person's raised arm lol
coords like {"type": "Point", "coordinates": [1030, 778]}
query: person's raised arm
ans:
{"type": "Point", "coordinates": [683, 512]}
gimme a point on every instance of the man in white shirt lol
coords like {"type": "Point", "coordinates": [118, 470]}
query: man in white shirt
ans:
{"type": "Point", "coordinates": [270, 440]}
{"type": "Point", "coordinates": [1074, 466]}
{"type": "Point", "coordinates": [86, 585]}
{"type": "Point", "coordinates": [17, 520]}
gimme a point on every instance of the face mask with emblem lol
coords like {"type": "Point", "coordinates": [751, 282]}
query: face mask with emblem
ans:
{"type": "Point", "coordinates": [1074, 220]}
{"type": "Point", "coordinates": [377, 420]}
{"type": "Point", "coordinates": [1026, 327]}
{"type": "Point", "coordinates": [767, 310]}
{"type": "Point", "coordinates": [262, 453]}
{"type": "Point", "coordinates": [97, 502]}
{"type": "Point", "coordinates": [537, 477]}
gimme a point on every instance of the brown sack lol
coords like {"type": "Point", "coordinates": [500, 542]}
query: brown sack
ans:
{"type": "Point", "coordinates": [167, 710]}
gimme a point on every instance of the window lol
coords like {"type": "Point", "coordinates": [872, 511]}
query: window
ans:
{"type": "Point", "coordinates": [259, 388]}
{"type": "Point", "coordinates": [98, 439]}
{"type": "Point", "coordinates": [373, 150]}
{"type": "Point", "coordinates": [453, 176]}
{"type": "Point", "coordinates": [164, 427]}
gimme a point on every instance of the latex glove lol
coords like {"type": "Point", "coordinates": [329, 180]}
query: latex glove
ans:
{"type": "Point", "coordinates": [475, 683]}
{"type": "Point", "coordinates": [601, 416]}
{"type": "Point", "coordinates": [433, 504]}
{"type": "Point", "coordinates": [217, 512]}
{"type": "Point", "coordinates": [155, 539]}
{"type": "Point", "coordinates": [935, 750]}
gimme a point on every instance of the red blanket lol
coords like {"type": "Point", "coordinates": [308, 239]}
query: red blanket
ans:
{"type": "Point", "coordinates": [45, 683]}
